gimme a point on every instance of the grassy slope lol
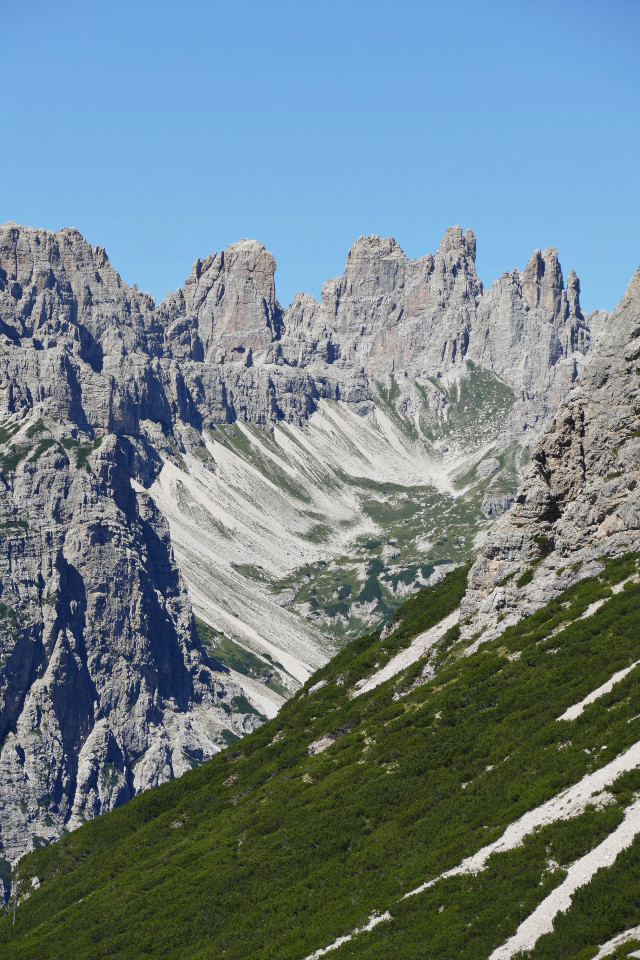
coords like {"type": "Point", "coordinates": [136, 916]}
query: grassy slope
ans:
{"type": "Point", "coordinates": [267, 852]}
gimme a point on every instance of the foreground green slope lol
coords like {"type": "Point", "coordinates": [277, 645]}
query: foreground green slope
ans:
{"type": "Point", "coordinates": [270, 852]}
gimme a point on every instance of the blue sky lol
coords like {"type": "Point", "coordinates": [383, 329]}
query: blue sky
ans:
{"type": "Point", "coordinates": [165, 131]}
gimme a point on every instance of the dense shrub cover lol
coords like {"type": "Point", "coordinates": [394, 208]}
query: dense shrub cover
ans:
{"type": "Point", "coordinates": [267, 852]}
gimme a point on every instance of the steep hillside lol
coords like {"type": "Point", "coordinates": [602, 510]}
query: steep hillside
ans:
{"type": "Point", "coordinates": [451, 810]}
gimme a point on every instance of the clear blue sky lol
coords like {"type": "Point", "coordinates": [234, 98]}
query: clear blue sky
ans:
{"type": "Point", "coordinates": [165, 131]}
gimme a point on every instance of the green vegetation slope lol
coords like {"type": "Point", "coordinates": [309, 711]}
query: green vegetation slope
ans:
{"type": "Point", "coordinates": [275, 850]}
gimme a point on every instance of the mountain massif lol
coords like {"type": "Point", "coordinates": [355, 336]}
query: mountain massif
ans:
{"type": "Point", "coordinates": [463, 783]}
{"type": "Point", "coordinates": [289, 475]}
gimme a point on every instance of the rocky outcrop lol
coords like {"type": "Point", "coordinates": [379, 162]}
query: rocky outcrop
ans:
{"type": "Point", "coordinates": [389, 316]}
{"type": "Point", "coordinates": [580, 498]}
{"type": "Point", "coordinates": [230, 304]}
{"type": "Point", "coordinates": [532, 332]}
{"type": "Point", "coordinates": [75, 339]}
{"type": "Point", "coordinates": [52, 282]}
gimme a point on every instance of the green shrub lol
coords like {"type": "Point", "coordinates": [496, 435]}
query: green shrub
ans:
{"type": "Point", "coordinates": [525, 577]}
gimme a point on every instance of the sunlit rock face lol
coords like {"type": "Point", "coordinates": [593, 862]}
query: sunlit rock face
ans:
{"type": "Point", "coordinates": [222, 348]}
{"type": "Point", "coordinates": [389, 316]}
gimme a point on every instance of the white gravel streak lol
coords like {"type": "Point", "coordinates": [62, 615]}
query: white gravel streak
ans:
{"type": "Point", "coordinates": [573, 712]}
{"type": "Point", "coordinates": [578, 874]}
{"type": "Point", "coordinates": [418, 647]}
{"type": "Point", "coordinates": [241, 514]}
{"type": "Point", "coordinates": [570, 803]}
{"type": "Point", "coordinates": [611, 945]}
{"type": "Point", "coordinates": [374, 920]}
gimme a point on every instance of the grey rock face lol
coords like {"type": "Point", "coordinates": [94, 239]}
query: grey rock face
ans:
{"type": "Point", "coordinates": [76, 339]}
{"type": "Point", "coordinates": [52, 282]}
{"type": "Point", "coordinates": [223, 349]}
{"type": "Point", "coordinates": [532, 332]}
{"type": "Point", "coordinates": [389, 316]}
{"type": "Point", "coordinates": [105, 688]}
{"type": "Point", "coordinates": [580, 498]}
{"type": "Point", "coordinates": [387, 313]}
{"type": "Point", "coordinates": [245, 358]}
{"type": "Point", "coordinates": [231, 303]}
{"type": "Point", "coordinates": [495, 504]}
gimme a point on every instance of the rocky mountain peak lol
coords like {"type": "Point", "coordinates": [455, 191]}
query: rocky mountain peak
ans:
{"type": "Point", "coordinates": [388, 315]}
{"type": "Point", "coordinates": [456, 244]}
{"type": "Point", "coordinates": [374, 247]}
{"type": "Point", "coordinates": [374, 265]}
{"type": "Point", "coordinates": [230, 298]}
{"type": "Point", "coordinates": [453, 269]}
{"type": "Point", "coordinates": [542, 281]}
{"type": "Point", "coordinates": [573, 293]}
{"type": "Point", "coordinates": [57, 281]}
{"type": "Point", "coordinates": [470, 241]}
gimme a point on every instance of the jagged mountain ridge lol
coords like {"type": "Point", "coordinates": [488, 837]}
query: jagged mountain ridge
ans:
{"type": "Point", "coordinates": [244, 358]}
{"type": "Point", "coordinates": [104, 393]}
{"type": "Point", "coordinates": [387, 315]}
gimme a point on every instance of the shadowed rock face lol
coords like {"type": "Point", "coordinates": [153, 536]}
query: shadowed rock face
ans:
{"type": "Point", "coordinates": [105, 687]}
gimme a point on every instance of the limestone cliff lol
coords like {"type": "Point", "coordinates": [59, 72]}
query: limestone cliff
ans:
{"type": "Point", "coordinates": [410, 319]}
